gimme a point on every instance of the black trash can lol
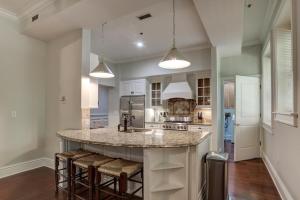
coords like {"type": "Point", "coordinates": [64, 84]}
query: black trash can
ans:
{"type": "Point", "coordinates": [217, 176]}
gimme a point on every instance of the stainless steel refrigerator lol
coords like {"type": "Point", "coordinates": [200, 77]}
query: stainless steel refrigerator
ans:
{"type": "Point", "coordinates": [133, 105]}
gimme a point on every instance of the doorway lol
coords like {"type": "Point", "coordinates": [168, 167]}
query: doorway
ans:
{"type": "Point", "coordinates": [229, 117]}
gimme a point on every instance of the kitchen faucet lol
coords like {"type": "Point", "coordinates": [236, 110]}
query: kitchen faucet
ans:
{"type": "Point", "coordinates": [127, 117]}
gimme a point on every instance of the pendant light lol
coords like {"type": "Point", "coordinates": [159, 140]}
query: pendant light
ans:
{"type": "Point", "coordinates": [174, 59]}
{"type": "Point", "coordinates": [102, 70]}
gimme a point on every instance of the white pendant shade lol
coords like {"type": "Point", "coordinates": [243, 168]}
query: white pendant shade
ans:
{"type": "Point", "coordinates": [102, 71]}
{"type": "Point", "coordinates": [174, 60]}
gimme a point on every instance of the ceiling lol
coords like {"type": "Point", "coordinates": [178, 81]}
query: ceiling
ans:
{"type": "Point", "coordinates": [198, 23]}
{"type": "Point", "coordinates": [17, 7]}
{"type": "Point", "coordinates": [122, 34]}
{"type": "Point", "coordinates": [256, 20]}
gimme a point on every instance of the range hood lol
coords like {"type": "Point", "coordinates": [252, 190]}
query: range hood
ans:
{"type": "Point", "coordinates": [178, 88]}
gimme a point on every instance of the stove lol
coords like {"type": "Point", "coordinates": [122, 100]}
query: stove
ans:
{"type": "Point", "coordinates": [178, 126]}
{"type": "Point", "coordinates": [178, 123]}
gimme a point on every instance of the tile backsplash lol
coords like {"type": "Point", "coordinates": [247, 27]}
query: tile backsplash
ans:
{"type": "Point", "coordinates": [85, 118]}
{"type": "Point", "coordinates": [206, 115]}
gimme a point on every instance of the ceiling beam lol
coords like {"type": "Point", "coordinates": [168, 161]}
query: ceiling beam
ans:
{"type": "Point", "coordinates": [223, 22]}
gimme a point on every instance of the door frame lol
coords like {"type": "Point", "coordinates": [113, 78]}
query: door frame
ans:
{"type": "Point", "coordinates": [223, 80]}
{"type": "Point", "coordinates": [232, 79]}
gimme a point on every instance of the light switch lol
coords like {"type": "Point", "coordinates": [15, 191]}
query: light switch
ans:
{"type": "Point", "coordinates": [13, 114]}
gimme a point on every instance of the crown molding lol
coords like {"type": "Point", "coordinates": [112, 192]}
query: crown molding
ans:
{"type": "Point", "coordinates": [30, 11]}
{"type": "Point", "coordinates": [8, 14]}
{"type": "Point", "coordinates": [252, 43]}
{"type": "Point", "coordinates": [160, 54]}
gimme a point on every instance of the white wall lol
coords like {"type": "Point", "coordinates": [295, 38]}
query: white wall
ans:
{"type": "Point", "coordinates": [22, 89]}
{"type": "Point", "coordinates": [200, 60]}
{"type": "Point", "coordinates": [282, 147]}
{"type": "Point", "coordinates": [217, 138]}
{"type": "Point", "coordinates": [248, 63]}
{"type": "Point", "coordinates": [63, 79]}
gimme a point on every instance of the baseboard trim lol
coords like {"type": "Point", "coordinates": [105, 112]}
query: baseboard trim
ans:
{"type": "Point", "coordinates": [25, 166]}
{"type": "Point", "coordinates": [281, 188]}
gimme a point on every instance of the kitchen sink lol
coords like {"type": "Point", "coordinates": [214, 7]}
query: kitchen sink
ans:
{"type": "Point", "coordinates": [135, 130]}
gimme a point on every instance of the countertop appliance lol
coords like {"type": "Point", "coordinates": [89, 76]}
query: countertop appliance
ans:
{"type": "Point", "coordinates": [133, 106]}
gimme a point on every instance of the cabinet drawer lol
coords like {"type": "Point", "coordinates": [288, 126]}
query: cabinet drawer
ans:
{"type": "Point", "coordinates": [195, 128]}
{"type": "Point", "coordinates": [153, 126]}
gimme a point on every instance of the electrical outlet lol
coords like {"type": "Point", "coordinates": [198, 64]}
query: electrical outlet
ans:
{"type": "Point", "coordinates": [13, 114]}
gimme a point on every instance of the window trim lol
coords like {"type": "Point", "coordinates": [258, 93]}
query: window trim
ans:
{"type": "Point", "coordinates": [290, 119]}
{"type": "Point", "coordinates": [267, 47]}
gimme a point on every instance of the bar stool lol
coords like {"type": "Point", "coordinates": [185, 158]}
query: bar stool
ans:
{"type": "Point", "coordinates": [89, 163]}
{"type": "Point", "coordinates": [66, 158]}
{"type": "Point", "coordinates": [121, 171]}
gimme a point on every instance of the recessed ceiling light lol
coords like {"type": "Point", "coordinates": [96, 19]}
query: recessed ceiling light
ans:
{"type": "Point", "coordinates": [139, 44]}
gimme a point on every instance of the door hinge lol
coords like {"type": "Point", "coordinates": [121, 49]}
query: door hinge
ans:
{"type": "Point", "coordinates": [259, 143]}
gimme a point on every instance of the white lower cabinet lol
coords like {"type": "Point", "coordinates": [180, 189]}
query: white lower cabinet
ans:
{"type": "Point", "coordinates": [175, 173]}
{"type": "Point", "coordinates": [195, 128]}
{"type": "Point", "coordinates": [153, 126]}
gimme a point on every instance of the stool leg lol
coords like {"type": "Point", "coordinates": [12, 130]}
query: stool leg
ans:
{"type": "Point", "coordinates": [91, 179]}
{"type": "Point", "coordinates": [69, 176]}
{"type": "Point", "coordinates": [73, 183]}
{"type": "Point", "coordinates": [115, 184]}
{"type": "Point", "coordinates": [98, 182]}
{"type": "Point", "coordinates": [80, 174]}
{"type": "Point", "coordinates": [142, 176]}
{"type": "Point", "coordinates": [123, 183]}
{"type": "Point", "coordinates": [56, 173]}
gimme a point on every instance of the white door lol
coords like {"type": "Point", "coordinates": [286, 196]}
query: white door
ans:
{"type": "Point", "coordinates": [247, 118]}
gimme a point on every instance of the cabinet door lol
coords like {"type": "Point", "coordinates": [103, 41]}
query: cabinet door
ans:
{"type": "Point", "coordinates": [133, 87]}
{"type": "Point", "coordinates": [203, 92]}
{"type": "Point", "coordinates": [125, 88]}
{"type": "Point", "coordinates": [139, 87]}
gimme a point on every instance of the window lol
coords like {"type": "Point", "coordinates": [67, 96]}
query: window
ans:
{"type": "Point", "coordinates": [156, 94]}
{"type": "Point", "coordinates": [267, 86]}
{"type": "Point", "coordinates": [203, 93]}
{"type": "Point", "coordinates": [284, 66]}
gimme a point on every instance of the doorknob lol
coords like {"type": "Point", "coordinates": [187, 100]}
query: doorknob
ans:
{"type": "Point", "coordinates": [237, 124]}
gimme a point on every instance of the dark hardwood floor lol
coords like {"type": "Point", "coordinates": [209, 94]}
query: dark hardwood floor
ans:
{"type": "Point", "coordinates": [248, 180]}
{"type": "Point", "coordinates": [229, 148]}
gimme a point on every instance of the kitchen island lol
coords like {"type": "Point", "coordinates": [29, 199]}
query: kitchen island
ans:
{"type": "Point", "coordinates": [173, 160]}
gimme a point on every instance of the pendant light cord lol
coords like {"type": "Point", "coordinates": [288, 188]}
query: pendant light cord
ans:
{"type": "Point", "coordinates": [174, 44]}
{"type": "Point", "coordinates": [102, 36]}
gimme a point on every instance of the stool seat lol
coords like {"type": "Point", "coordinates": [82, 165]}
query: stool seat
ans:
{"type": "Point", "coordinates": [119, 166]}
{"type": "Point", "coordinates": [94, 160]}
{"type": "Point", "coordinates": [73, 154]}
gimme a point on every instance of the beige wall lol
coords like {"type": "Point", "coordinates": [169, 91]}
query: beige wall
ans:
{"type": "Point", "coordinates": [200, 60]}
{"type": "Point", "coordinates": [248, 63]}
{"type": "Point", "coordinates": [282, 147]}
{"type": "Point", "coordinates": [63, 79]}
{"type": "Point", "coordinates": [22, 89]}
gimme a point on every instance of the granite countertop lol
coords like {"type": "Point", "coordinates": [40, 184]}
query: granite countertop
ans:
{"type": "Point", "coordinates": [148, 139]}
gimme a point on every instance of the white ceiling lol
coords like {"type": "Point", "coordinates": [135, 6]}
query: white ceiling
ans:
{"type": "Point", "coordinates": [256, 20]}
{"type": "Point", "coordinates": [122, 34]}
{"type": "Point", "coordinates": [17, 6]}
{"type": "Point", "coordinates": [223, 21]}
{"type": "Point", "coordinates": [228, 24]}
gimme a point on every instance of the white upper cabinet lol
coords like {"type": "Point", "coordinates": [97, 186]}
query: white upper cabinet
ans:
{"type": "Point", "coordinates": [133, 87]}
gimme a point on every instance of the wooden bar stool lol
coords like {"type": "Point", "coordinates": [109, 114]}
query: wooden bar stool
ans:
{"type": "Point", "coordinates": [121, 171]}
{"type": "Point", "coordinates": [89, 163]}
{"type": "Point", "coordinates": [66, 158]}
